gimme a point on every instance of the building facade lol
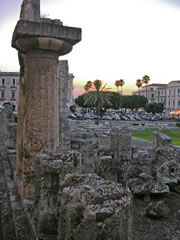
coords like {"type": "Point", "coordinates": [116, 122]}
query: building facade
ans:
{"type": "Point", "coordinates": [150, 92]}
{"type": "Point", "coordinates": [9, 85]}
{"type": "Point", "coordinates": [168, 94]}
{"type": "Point", "coordinates": [9, 88]}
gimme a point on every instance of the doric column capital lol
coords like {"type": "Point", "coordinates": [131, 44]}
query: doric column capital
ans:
{"type": "Point", "coordinates": [58, 46]}
{"type": "Point", "coordinates": [48, 35]}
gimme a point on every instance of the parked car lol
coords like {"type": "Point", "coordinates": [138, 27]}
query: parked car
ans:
{"type": "Point", "coordinates": [106, 117]}
{"type": "Point", "coordinates": [123, 117]}
{"type": "Point", "coordinates": [116, 117]}
{"type": "Point", "coordinates": [71, 115]}
{"type": "Point", "coordinates": [137, 118]}
{"type": "Point", "coordinates": [79, 115]}
{"type": "Point", "coordinates": [130, 117]}
{"type": "Point", "coordinates": [87, 116]}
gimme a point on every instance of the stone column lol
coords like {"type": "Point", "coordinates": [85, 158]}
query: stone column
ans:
{"type": "Point", "coordinates": [40, 123]}
{"type": "Point", "coordinates": [20, 122]}
{"type": "Point", "coordinates": [41, 43]}
{"type": "Point", "coordinates": [41, 115]}
{"type": "Point", "coordinates": [64, 128]}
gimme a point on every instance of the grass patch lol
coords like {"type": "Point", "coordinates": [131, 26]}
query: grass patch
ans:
{"type": "Point", "coordinates": [148, 133]}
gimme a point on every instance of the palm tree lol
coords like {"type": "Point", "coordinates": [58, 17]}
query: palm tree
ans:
{"type": "Point", "coordinates": [98, 96]}
{"type": "Point", "coordinates": [119, 83]}
{"type": "Point", "coordinates": [146, 80]}
{"type": "Point", "coordinates": [139, 84]}
{"type": "Point", "coordinates": [88, 85]}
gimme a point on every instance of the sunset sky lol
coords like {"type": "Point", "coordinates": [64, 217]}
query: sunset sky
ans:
{"type": "Point", "coordinates": [121, 39]}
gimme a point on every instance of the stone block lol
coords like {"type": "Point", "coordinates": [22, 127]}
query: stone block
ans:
{"type": "Point", "coordinates": [50, 173]}
{"type": "Point", "coordinates": [93, 208]}
{"type": "Point", "coordinates": [160, 140]}
{"type": "Point", "coordinates": [168, 172]}
{"type": "Point", "coordinates": [121, 143]}
{"type": "Point", "coordinates": [109, 169]}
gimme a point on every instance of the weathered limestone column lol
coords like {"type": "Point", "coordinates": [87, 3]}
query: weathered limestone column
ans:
{"type": "Point", "coordinates": [20, 123]}
{"type": "Point", "coordinates": [41, 42]}
{"type": "Point", "coordinates": [64, 130]}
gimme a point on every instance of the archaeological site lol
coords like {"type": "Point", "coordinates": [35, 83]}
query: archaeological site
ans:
{"type": "Point", "coordinates": [63, 179]}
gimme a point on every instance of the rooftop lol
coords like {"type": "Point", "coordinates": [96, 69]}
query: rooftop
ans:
{"type": "Point", "coordinates": [14, 74]}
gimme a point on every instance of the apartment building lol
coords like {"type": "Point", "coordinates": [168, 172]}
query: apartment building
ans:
{"type": "Point", "coordinates": [169, 94]}
{"type": "Point", "coordinates": [9, 86]}
{"type": "Point", "coordinates": [150, 91]}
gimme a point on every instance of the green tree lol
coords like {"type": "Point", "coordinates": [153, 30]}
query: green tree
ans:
{"type": "Point", "coordinates": [155, 108]}
{"type": "Point", "coordinates": [97, 95]}
{"type": "Point", "coordinates": [115, 100]}
{"type": "Point", "coordinates": [80, 101]}
{"type": "Point", "coordinates": [134, 102]}
{"type": "Point", "coordinates": [151, 108]}
{"type": "Point", "coordinates": [160, 107]}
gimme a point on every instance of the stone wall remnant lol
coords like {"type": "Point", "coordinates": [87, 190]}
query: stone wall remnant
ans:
{"type": "Point", "coordinates": [121, 143]}
{"type": "Point", "coordinates": [160, 139]}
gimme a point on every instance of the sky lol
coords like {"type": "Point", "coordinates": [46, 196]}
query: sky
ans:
{"type": "Point", "coordinates": [121, 39]}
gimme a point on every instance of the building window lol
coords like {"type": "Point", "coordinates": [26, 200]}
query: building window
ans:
{"type": "Point", "coordinates": [2, 94]}
{"type": "Point", "coordinates": [178, 91]}
{"type": "Point", "coordinates": [3, 82]}
{"type": "Point", "coordinates": [14, 82]}
{"type": "Point", "coordinates": [169, 92]}
{"type": "Point", "coordinates": [152, 95]}
{"type": "Point", "coordinates": [174, 92]}
{"type": "Point", "coordinates": [151, 89]}
{"type": "Point", "coordinates": [173, 103]}
{"type": "Point", "coordinates": [13, 94]}
{"type": "Point", "coordinates": [178, 103]}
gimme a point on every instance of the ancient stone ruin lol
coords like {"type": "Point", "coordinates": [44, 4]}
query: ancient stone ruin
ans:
{"type": "Point", "coordinates": [98, 188]}
{"type": "Point", "coordinates": [46, 192]}
{"type": "Point", "coordinates": [73, 180]}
